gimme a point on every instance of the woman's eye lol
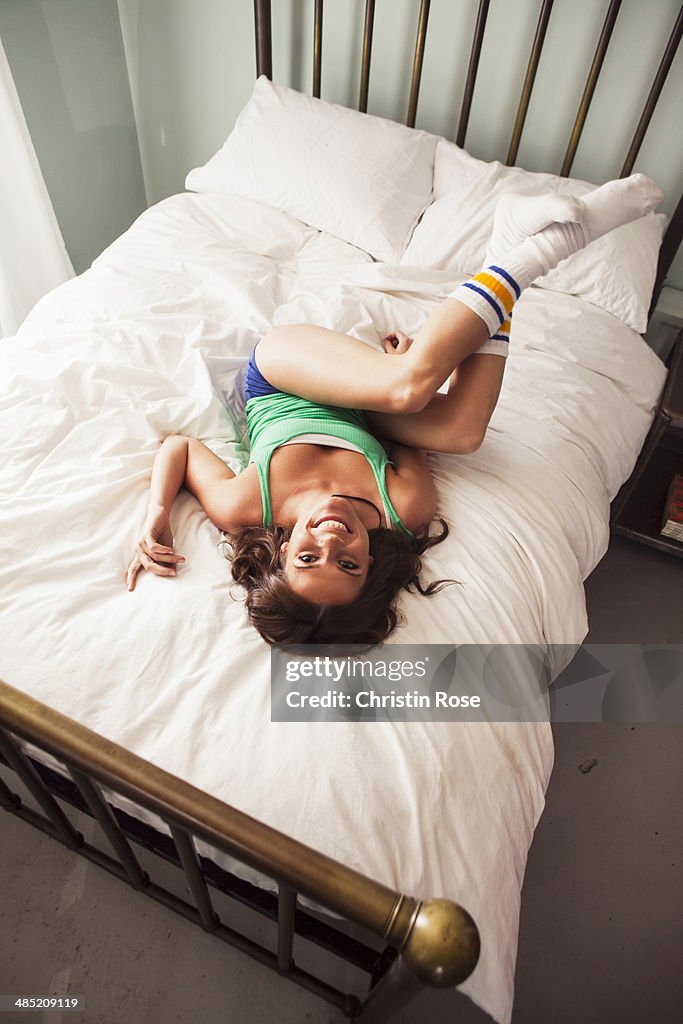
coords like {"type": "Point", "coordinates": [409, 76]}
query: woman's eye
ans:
{"type": "Point", "coordinates": [307, 558]}
{"type": "Point", "coordinates": [348, 565]}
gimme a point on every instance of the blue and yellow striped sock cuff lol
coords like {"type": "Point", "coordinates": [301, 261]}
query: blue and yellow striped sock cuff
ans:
{"type": "Point", "coordinates": [491, 294]}
{"type": "Point", "coordinates": [503, 332]}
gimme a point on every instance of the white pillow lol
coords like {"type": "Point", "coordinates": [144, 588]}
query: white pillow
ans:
{"type": "Point", "coordinates": [616, 272]}
{"type": "Point", "coordinates": [361, 178]}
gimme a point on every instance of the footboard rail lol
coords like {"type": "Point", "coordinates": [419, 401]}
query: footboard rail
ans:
{"type": "Point", "coordinates": [427, 943]}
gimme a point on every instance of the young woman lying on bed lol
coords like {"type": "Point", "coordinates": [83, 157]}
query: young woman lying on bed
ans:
{"type": "Point", "coordinates": [328, 523]}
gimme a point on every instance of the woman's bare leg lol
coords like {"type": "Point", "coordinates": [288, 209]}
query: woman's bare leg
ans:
{"type": "Point", "coordinates": [455, 422]}
{"type": "Point", "coordinates": [336, 369]}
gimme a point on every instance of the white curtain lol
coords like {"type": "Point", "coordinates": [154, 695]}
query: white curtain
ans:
{"type": "Point", "coordinates": [33, 259]}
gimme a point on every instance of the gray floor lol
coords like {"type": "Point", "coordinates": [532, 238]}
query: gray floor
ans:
{"type": "Point", "coordinates": [601, 938]}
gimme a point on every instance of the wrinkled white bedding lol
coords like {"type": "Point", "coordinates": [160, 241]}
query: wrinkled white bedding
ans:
{"type": "Point", "coordinates": [148, 342]}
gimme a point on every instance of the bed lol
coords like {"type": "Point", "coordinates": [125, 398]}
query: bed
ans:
{"type": "Point", "coordinates": [173, 682]}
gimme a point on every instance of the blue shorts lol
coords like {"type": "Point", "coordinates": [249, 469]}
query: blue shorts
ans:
{"type": "Point", "coordinates": [255, 384]}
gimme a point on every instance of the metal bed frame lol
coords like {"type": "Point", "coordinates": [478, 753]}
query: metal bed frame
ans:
{"type": "Point", "coordinates": [419, 943]}
{"type": "Point", "coordinates": [674, 233]}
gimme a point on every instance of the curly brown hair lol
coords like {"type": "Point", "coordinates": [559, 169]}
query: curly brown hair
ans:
{"type": "Point", "coordinates": [282, 617]}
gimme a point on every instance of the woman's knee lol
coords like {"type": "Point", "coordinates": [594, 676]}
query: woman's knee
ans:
{"type": "Point", "coordinates": [412, 389]}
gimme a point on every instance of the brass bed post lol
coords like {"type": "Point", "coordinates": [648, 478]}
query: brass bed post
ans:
{"type": "Point", "coordinates": [475, 54]}
{"type": "Point", "coordinates": [286, 913]}
{"type": "Point", "coordinates": [264, 41]}
{"type": "Point", "coordinates": [532, 67]}
{"type": "Point", "coordinates": [187, 854]}
{"type": "Point", "coordinates": [440, 950]}
{"type": "Point", "coordinates": [103, 815]}
{"type": "Point", "coordinates": [19, 763]}
{"type": "Point", "coordinates": [367, 53]}
{"type": "Point", "coordinates": [317, 47]}
{"type": "Point", "coordinates": [651, 102]}
{"type": "Point", "coordinates": [417, 62]}
{"type": "Point", "coordinates": [591, 83]}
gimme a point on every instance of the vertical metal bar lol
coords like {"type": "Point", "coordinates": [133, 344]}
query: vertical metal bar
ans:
{"type": "Point", "coordinates": [670, 245]}
{"type": "Point", "coordinates": [193, 873]}
{"type": "Point", "coordinates": [529, 80]}
{"type": "Point", "coordinates": [651, 101]}
{"type": "Point", "coordinates": [286, 908]}
{"type": "Point", "coordinates": [18, 761]}
{"type": "Point", "coordinates": [591, 82]}
{"type": "Point", "coordinates": [367, 53]}
{"type": "Point", "coordinates": [264, 40]}
{"type": "Point", "coordinates": [317, 47]}
{"type": "Point", "coordinates": [104, 816]}
{"type": "Point", "coordinates": [417, 62]}
{"type": "Point", "coordinates": [470, 82]}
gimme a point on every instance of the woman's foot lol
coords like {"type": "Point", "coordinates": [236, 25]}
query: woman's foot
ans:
{"type": "Point", "coordinates": [532, 234]}
{"type": "Point", "coordinates": [517, 217]}
{"type": "Point", "coordinates": [619, 202]}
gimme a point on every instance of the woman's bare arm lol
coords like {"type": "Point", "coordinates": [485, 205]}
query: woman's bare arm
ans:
{"type": "Point", "coordinates": [182, 461]}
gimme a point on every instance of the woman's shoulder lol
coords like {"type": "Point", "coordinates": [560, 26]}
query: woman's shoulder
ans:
{"type": "Point", "coordinates": [411, 487]}
{"type": "Point", "coordinates": [237, 502]}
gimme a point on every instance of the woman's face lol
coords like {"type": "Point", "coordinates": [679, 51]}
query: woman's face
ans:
{"type": "Point", "coordinates": [327, 557]}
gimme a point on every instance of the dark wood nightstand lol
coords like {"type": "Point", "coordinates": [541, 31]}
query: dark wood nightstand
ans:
{"type": "Point", "coordinates": [638, 508]}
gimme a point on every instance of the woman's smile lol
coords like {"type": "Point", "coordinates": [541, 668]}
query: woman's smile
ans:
{"type": "Point", "coordinates": [327, 556]}
{"type": "Point", "coordinates": [331, 524]}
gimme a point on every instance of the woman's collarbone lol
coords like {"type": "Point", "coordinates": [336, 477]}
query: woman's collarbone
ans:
{"type": "Point", "coordinates": [333, 469]}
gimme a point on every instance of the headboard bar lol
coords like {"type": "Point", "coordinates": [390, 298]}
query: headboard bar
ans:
{"type": "Point", "coordinates": [367, 54]}
{"type": "Point", "coordinates": [651, 102]}
{"type": "Point", "coordinates": [475, 54]}
{"type": "Point", "coordinates": [418, 61]}
{"type": "Point", "coordinates": [534, 58]}
{"type": "Point", "coordinates": [264, 39]}
{"type": "Point", "coordinates": [591, 82]}
{"type": "Point", "coordinates": [674, 234]}
{"type": "Point", "coordinates": [317, 46]}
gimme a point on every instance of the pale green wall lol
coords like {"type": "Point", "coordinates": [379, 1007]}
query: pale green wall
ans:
{"type": "Point", "coordinates": [68, 64]}
{"type": "Point", "coordinates": [191, 68]}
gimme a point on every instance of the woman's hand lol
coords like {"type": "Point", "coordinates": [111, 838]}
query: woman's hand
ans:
{"type": "Point", "coordinates": [396, 343]}
{"type": "Point", "coordinates": [154, 550]}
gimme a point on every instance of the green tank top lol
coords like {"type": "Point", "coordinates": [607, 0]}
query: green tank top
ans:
{"type": "Point", "coordinates": [273, 420]}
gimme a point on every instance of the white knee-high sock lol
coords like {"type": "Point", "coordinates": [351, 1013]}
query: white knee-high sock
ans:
{"type": "Point", "coordinates": [532, 235]}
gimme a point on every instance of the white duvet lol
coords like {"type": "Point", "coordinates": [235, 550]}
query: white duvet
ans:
{"type": "Point", "coordinates": [148, 342]}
